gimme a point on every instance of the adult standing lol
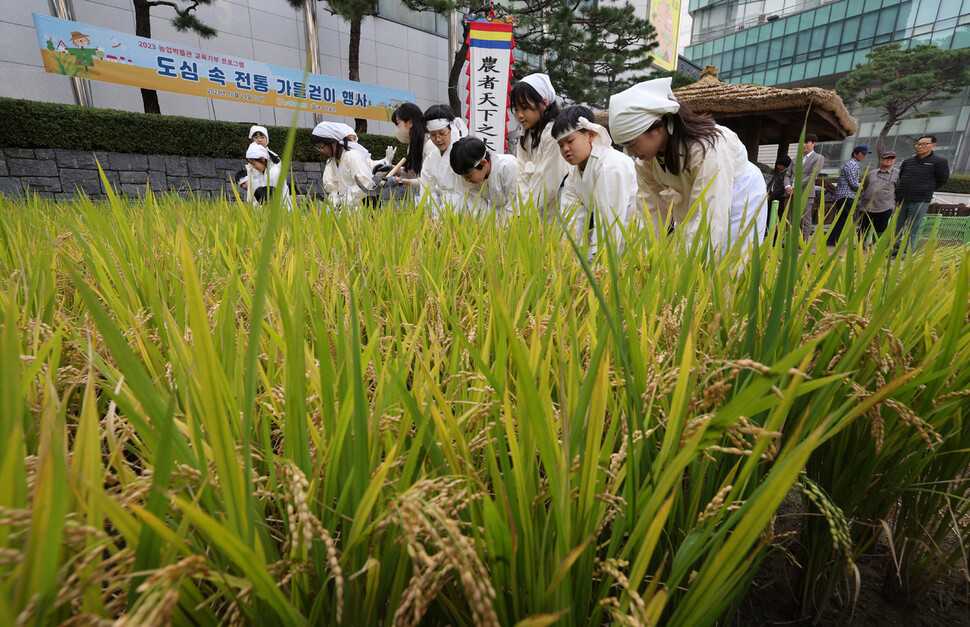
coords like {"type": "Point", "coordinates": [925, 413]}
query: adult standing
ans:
{"type": "Point", "coordinates": [845, 192]}
{"type": "Point", "coordinates": [812, 164]}
{"type": "Point", "coordinates": [776, 184]}
{"type": "Point", "coordinates": [878, 197]}
{"type": "Point", "coordinates": [919, 176]}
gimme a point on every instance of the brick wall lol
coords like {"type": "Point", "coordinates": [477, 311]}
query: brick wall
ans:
{"type": "Point", "coordinates": [62, 174]}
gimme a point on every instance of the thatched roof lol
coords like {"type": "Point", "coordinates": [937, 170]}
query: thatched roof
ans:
{"type": "Point", "coordinates": [725, 100]}
{"type": "Point", "coordinates": [765, 115]}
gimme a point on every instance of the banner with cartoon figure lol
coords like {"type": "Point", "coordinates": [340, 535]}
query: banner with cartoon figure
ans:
{"type": "Point", "coordinates": [99, 54]}
{"type": "Point", "coordinates": [489, 73]}
{"type": "Point", "coordinates": [665, 17]}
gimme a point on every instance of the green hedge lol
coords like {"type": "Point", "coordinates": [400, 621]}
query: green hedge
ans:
{"type": "Point", "coordinates": [30, 124]}
{"type": "Point", "coordinates": [958, 184]}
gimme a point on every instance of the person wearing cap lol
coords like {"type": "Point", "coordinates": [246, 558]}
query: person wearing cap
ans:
{"type": "Point", "coordinates": [541, 167]}
{"type": "Point", "coordinates": [353, 180]}
{"type": "Point", "coordinates": [878, 197]}
{"type": "Point", "coordinates": [690, 170]}
{"type": "Point", "coordinates": [440, 186]}
{"type": "Point", "coordinates": [600, 192]}
{"type": "Point", "coordinates": [845, 192]}
{"type": "Point", "coordinates": [263, 177]}
{"type": "Point", "coordinates": [489, 181]}
{"type": "Point", "coordinates": [919, 176]}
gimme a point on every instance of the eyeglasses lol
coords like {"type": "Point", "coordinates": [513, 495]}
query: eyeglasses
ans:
{"type": "Point", "coordinates": [925, 143]}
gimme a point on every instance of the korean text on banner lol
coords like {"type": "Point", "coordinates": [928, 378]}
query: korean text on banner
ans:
{"type": "Point", "coordinates": [85, 51]}
{"type": "Point", "coordinates": [489, 72]}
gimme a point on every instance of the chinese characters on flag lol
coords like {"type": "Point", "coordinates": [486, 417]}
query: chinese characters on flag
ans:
{"type": "Point", "coordinates": [489, 71]}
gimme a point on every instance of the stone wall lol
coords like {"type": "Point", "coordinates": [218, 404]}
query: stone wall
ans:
{"type": "Point", "coordinates": [62, 174]}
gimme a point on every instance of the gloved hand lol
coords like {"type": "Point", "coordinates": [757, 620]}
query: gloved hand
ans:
{"type": "Point", "coordinates": [382, 167]}
{"type": "Point", "coordinates": [389, 154]}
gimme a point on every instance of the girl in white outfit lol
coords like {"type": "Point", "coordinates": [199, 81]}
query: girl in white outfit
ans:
{"type": "Point", "coordinates": [440, 186]}
{"type": "Point", "coordinates": [410, 130]}
{"type": "Point", "coordinates": [352, 165]}
{"type": "Point", "coordinates": [541, 167]}
{"type": "Point", "coordinates": [600, 192]}
{"type": "Point", "coordinates": [685, 160]}
{"type": "Point", "coordinates": [263, 179]}
{"type": "Point", "coordinates": [490, 181]}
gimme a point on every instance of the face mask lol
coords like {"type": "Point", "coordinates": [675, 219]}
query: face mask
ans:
{"type": "Point", "coordinates": [402, 135]}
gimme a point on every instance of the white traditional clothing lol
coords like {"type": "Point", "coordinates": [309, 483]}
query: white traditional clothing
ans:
{"type": "Point", "coordinates": [495, 195]}
{"type": "Point", "coordinates": [354, 179]}
{"type": "Point", "coordinates": [607, 188]}
{"type": "Point", "coordinates": [541, 172]}
{"type": "Point", "coordinates": [732, 187]}
{"type": "Point", "coordinates": [269, 177]}
{"type": "Point", "coordinates": [439, 183]}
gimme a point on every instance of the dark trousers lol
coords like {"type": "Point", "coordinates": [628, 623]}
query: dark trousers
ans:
{"type": "Point", "coordinates": [878, 222]}
{"type": "Point", "coordinates": [842, 209]}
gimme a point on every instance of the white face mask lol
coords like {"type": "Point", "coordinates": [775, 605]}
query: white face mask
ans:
{"type": "Point", "coordinates": [402, 135]}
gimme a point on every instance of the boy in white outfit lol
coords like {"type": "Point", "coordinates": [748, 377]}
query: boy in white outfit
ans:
{"type": "Point", "coordinates": [490, 181]}
{"type": "Point", "coordinates": [600, 192]}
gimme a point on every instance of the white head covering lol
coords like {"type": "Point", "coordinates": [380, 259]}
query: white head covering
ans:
{"type": "Point", "coordinates": [242, 181]}
{"type": "Point", "coordinates": [338, 131]}
{"type": "Point", "coordinates": [255, 151]}
{"type": "Point", "coordinates": [542, 84]}
{"type": "Point", "coordinates": [633, 111]}
{"type": "Point", "coordinates": [458, 127]}
{"type": "Point", "coordinates": [255, 128]}
{"type": "Point", "coordinates": [602, 135]}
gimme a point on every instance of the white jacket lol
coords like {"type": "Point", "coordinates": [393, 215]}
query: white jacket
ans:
{"type": "Point", "coordinates": [721, 175]}
{"type": "Point", "coordinates": [496, 195]}
{"type": "Point", "coordinates": [439, 183]}
{"type": "Point", "coordinates": [354, 179]}
{"type": "Point", "coordinates": [541, 171]}
{"type": "Point", "coordinates": [608, 188]}
{"type": "Point", "coordinates": [271, 177]}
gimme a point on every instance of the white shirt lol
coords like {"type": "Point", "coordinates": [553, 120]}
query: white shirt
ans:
{"type": "Point", "coordinates": [608, 187]}
{"type": "Point", "coordinates": [354, 178]}
{"type": "Point", "coordinates": [541, 171]}
{"type": "Point", "coordinates": [270, 176]}
{"type": "Point", "coordinates": [439, 183]}
{"type": "Point", "coordinates": [710, 175]}
{"type": "Point", "coordinates": [497, 194]}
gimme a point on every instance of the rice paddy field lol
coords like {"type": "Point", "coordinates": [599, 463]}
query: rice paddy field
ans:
{"type": "Point", "coordinates": [214, 414]}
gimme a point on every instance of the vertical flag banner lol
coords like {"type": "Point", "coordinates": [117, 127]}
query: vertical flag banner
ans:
{"type": "Point", "coordinates": [665, 17]}
{"type": "Point", "coordinates": [489, 72]}
{"type": "Point", "coordinates": [85, 51]}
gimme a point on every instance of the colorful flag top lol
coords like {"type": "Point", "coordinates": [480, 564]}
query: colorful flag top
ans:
{"type": "Point", "coordinates": [99, 54]}
{"type": "Point", "coordinates": [489, 73]}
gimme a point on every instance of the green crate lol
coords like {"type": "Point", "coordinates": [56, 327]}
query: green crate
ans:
{"type": "Point", "coordinates": [949, 230]}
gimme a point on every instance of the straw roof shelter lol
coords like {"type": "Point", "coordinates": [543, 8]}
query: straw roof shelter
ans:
{"type": "Point", "coordinates": [767, 115]}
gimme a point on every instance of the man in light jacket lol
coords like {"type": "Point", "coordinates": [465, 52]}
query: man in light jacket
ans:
{"type": "Point", "coordinates": [878, 197]}
{"type": "Point", "coordinates": [812, 164]}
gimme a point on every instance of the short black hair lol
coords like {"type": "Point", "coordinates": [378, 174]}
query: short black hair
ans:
{"type": "Point", "coordinates": [466, 154]}
{"type": "Point", "coordinates": [932, 138]}
{"type": "Point", "coordinates": [569, 118]}
{"type": "Point", "coordinates": [239, 176]}
{"type": "Point", "coordinates": [437, 112]}
{"type": "Point", "coordinates": [811, 137]}
{"type": "Point", "coordinates": [784, 160]}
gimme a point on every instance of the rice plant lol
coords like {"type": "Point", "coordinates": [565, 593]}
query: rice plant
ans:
{"type": "Point", "coordinates": [219, 414]}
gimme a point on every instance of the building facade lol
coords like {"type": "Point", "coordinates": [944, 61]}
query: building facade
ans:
{"type": "Point", "coordinates": [799, 43]}
{"type": "Point", "coordinates": [399, 49]}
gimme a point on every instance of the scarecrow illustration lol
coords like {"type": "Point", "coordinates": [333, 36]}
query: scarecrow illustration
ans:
{"type": "Point", "coordinates": [81, 50]}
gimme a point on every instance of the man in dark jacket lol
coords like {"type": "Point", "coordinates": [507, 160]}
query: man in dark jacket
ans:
{"type": "Point", "coordinates": [919, 177]}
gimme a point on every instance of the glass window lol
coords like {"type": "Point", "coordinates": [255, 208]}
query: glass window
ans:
{"type": "Point", "coordinates": [838, 11]}
{"type": "Point", "coordinates": [961, 39]}
{"type": "Point", "coordinates": [943, 38]}
{"type": "Point", "coordinates": [771, 77]}
{"type": "Point", "coordinates": [872, 5]}
{"type": "Point", "coordinates": [797, 72]}
{"type": "Point", "coordinates": [818, 38]}
{"type": "Point", "coordinates": [784, 74]}
{"type": "Point", "coordinates": [926, 11]}
{"type": "Point", "coordinates": [806, 22]}
{"type": "Point", "coordinates": [881, 39]}
{"type": "Point", "coordinates": [850, 29]}
{"type": "Point", "coordinates": [827, 66]}
{"type": "Point", "coordinates": [853, 7]}
{"type": "Point", "coordinates": [778, 27]}
{"type": "Point", "coordinates": [886, 20]}
{"type": "Point", "coordinates": [948, 10]}
{"type": "Point", "coordinates": [822, 15]}
{"type": "Point", "coordinates": [750, 57]}
{"type": "Point", "coordinates": [718, 45]}
{"type": "Point", "coordinates": [843, 62]}
{"type": "Point", "coordinates": [834, 35]}
{"type": "Point", "coordinates": [966, 6]}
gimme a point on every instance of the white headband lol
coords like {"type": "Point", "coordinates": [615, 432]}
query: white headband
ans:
{"type": "Point", "coordinates": [255, 151]}
{"type": "Point", "coordinates": [635, 110]}
{"type": "Point", "coordinates": [542, 84]}
{"type": "Point", "coordinates": [242, 181]}
{"type": "Point", "coordinates": [255, 128]}
{"type": "Point", "coordinates": [602, 135]}
{"type": "Point", "coordinates": [438, 124]}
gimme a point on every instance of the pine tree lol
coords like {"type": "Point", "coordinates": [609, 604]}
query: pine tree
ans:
{"type": "Point", "coordinates": [185, 19]}
{"type": "Point", "coordinates": [899, 81]}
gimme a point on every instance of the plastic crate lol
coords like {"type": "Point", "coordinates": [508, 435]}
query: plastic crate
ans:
{"type": "Point", "coordinates": [950, 230]}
